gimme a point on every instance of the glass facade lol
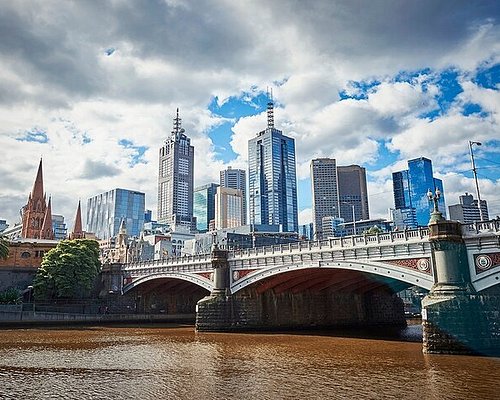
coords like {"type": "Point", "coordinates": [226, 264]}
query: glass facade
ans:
{"type": "Point", "coordinates": [106, 211]}
{"type": "Point", "coordinates": [410, 194]}
{"type": "Point", "coordinates": [272, 179]}
{"type": "Point", "coordinates": [236, 179]}
{"type": "Point", "coordinates": [59, 227]}
{"type": "Point", "coordinates": [204, 206]}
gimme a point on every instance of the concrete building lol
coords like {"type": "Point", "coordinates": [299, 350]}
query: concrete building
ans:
{"type": "Point", "coordinates": [272, 178]}
{"type": "Point", "coordinates": [410, 194]}
{"type": "Point", "coordinates": [59, 227]}
{"type": "Point", "coordinates": [332, 226]}
{"type": "Point", "coordinates": [236, 179]}
{"type": "Point", "coordinates": [105, 212]}
{"type": "Point", "coordinates": [204, 206]}
{"type": "Point", "coordinates": [352, 192]}
{"type": "Point", "coordinates": [176, 180]}
{"type": "Point", "coordinates": [467, 211]}
{"type": "Point", "coordinates": [325, 195]}
{"type": "Point", "coordinates": [3, 225]}
{"type": "Point", "coordinates": [228, 208]}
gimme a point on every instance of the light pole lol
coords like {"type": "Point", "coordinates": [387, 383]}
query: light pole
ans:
{"type": "Point", "coordinates": [471, 143]}
{"type": "Point", "coordinates": [436, 215]}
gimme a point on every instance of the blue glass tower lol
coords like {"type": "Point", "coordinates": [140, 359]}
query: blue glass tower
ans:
{"type": "Point", "coordinates": [204, 206]}
{"type": "Point", "coordinates": [410, 193]}
{"type": "Point", "coordinates": [272, 178]}
{"type": "Point", "coordinates": [106, 211]}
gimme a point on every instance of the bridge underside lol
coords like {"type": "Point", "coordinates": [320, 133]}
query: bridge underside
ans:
{"type": "Point", "coordinates": [167, 295]}
{"type": "Point", "coordinates": [304, 299]}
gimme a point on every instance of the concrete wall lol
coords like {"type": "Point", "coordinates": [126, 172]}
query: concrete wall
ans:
{"type": "Point", "coordinates": [16, 277]}
{"type": "Point", "coordinates": [326, 309]}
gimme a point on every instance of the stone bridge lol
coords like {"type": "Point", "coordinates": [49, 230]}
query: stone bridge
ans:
{"type": "Point", "coordinates": [348, 281]}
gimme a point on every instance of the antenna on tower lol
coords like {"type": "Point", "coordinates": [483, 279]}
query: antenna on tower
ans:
{"type": "Point", "coordinates": [177, 124]}
{"type": "Point", "coordinates": [270, 109]}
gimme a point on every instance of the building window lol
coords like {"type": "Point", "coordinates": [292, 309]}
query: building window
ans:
{"type": "Point", "coordinates": [25, 254]}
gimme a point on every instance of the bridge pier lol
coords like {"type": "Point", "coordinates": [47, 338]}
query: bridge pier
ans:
{"type": "Point", "coordinates": [455, 318]}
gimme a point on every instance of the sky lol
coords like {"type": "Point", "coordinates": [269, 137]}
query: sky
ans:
{"type": "Point", "coordinates": [92, 87]}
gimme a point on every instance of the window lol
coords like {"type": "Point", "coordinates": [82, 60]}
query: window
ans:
{"type": "Point", "coordinates": [25, 254]}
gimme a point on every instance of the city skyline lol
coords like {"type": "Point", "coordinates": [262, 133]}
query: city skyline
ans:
{"type": "Point", "coordinates": [97, 116]}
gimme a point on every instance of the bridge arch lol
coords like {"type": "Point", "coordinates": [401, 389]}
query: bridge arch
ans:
{"type": "Point", "coordinates": [378, 269]}
{"type": "Point", "coordinates": [187, 277]}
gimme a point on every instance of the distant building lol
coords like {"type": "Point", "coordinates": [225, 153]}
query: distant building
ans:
{"type": "Point", "coordinates": [352, 192]}
{"type": "Point", "coordinates": [105, 212]}
{"type": "Point", "coordinates": [236, 179]}
{"type": "Point", "coordinates": [3, 225]}
{"type": "Point", "coordinates": [176, 179]}
{"type": "Point", "coordinates": [204, 206]}
{"type": "Point", "coordinates": [272, 178]}
{"type": "Point", "coordinates": [332, 226]}
{"type": "Point", "coordinates": [228, 208]}
{"type": "Point", "coordinates": [59, 227]}
{"type": "Point", "coordinates": [347, 228]}
{"type": "Point", "coordinates": [467, 211]}
{"type": "Point", "coordinates": [410, 194]}
{"type": "Point", "coordinates": [148, 216]}
{"type": "Point", "coordinates": [325, 195]}
{"type": "Point", "coordinates": [307, 231]}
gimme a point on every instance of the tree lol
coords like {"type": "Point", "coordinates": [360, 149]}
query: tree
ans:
{"type": "Point", "coordinates": [4, 248]}
{"type": "Point", "coordinates": [69, 270]}
{"type": "Point", "coordinates": [373, 230]}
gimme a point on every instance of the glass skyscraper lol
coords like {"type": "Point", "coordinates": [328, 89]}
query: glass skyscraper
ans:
{"type": "Point", "coordinates": [106, 211]}
{"type": "Point", "coordinates": [272, 178]}
{"type": "Point", "coordinates": [204, 206]}
{"type": "Point", "coordinates": [176, 179]}
{"type": "Point", "coordinates": [412, 207]}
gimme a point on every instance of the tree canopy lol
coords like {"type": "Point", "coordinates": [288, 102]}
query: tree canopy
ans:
{"type": "Point", "coordinates": [4, 248]}
{"type": "Point", "coordinates": [69, 270]}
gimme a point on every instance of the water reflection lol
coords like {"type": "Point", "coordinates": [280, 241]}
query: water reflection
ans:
{"type": "Point", "coordinates": [177, 363]}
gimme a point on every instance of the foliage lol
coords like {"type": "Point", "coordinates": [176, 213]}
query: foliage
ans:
{"type": "Point", "coordinates": [373, 230]}
{"type": "Point", "coordinates": [4, 248]}
{"type": "Point", "coordinates": [10, 296]}
{"type": "Point", "coordinates": [69, 270]}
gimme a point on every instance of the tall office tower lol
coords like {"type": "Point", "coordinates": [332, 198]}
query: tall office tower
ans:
{"type": "Point", "coordinates": [467, 210]}
{"type": "Point", "coordinates": [353, 194]}
{"type": "Point", "coordinates": [236, 179]}
{"type": "Point", "coordinates": [228, 208]}
{"type": "Point", "coordinates": [106, 211]}
{"type": "Point", "coordinates": [412, 207]}
{"type": "Point", "coordinates": [175, 180]}
{"type": "Point", "coordinates": [272, 178]}
{"type": "Point", "coordinates": [325, 196]}
{"type": "Point", "coordinates": [59, 227]}
{"type": "Point", "coordinates": [204, 206]}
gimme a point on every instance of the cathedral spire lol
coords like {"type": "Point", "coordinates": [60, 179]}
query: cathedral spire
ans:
{"type": "Point", "coordinates": [47, 232]}
{"type": "Point", "coordinates": [77, 226]}
{"type": "Point", "coordinates": [37, 192]}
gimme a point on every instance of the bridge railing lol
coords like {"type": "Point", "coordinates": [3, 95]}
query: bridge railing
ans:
{"type": "Point", "coordinates": [474, 228]}
{"type": "Point", "coordinates": [338, 242]}
{"type": "Point", "coordinates": [173, 262]}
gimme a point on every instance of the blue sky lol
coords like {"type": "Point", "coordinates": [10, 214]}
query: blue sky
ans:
{"type": "Point", "coordinates": [92, 87]}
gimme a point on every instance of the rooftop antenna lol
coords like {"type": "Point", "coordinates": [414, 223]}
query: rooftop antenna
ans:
{"type": "Point", "coordinates": [270, 109]}
{"type": "Point", "coordinates": [177, 124]}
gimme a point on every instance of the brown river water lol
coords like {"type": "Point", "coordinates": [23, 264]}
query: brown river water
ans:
{"type": "Point", "coordinates": [176, 363]}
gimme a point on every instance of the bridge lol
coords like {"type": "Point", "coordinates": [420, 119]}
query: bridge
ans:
{"type": "Point", "coordinates": [346, 281]}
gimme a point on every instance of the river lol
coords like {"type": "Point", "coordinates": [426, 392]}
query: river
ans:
{"type": "Point", "coordinates": [176, 363]}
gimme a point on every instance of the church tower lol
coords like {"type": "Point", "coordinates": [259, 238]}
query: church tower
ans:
{"type": "Point", "coordinates": [77, 226]}
{"type": "Point", "coordinates": [47, 232]}
{"type": "Point", "coordinates": [34, 212]}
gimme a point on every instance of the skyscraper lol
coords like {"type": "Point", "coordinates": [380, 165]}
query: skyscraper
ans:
{"type": "Point", "coordinates": [236, 179]}
{"type": "Point", "coordinates": [353, 193]}
{"type": "Point", "coordinates": [204, 206]}
{"type": "Point", "coordinates": [325, 196]}
{"type": "Point", "coordinates": [468, 211]}
{"type": "Point", "coordinates": [412, 207]}
{"type": "Point", "coordinates": [228, 208]}
{"type": "Point", "coordinates": [175, 179]}
{"type": "Point", "coordinates": [106, 211]}
{"type": "Point", "coordinates": [272, 178]}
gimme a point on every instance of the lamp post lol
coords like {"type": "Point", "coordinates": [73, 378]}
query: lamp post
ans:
{"type": "Point", "coordinates": [471, 143]}
{"type": "Point", "coordinates": [353, 216]}
{"type": "Point", "coordinates": [436, 215]}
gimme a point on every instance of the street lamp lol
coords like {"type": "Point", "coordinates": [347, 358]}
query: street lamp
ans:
{"type": "Point", "coordinates": [436, 215]}
{"type": "Point", "coordinates": [471, 143]}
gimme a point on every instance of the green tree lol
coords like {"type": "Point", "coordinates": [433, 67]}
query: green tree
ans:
{"type": "Point", "coordinates": [69, 270]}
{"type": "Point", "coordinates": [10, 296]}
{"type": "Point", "coordinates": [373, 230]}
{"type": "Point", "coordinates": [4, 248]}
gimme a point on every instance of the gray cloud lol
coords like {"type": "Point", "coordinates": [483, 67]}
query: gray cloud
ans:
{"type": "Point", "coordinates": [98, 169]}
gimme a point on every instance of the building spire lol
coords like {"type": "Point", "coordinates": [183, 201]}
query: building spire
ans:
{"type": "Point", "coordinates": [47, 232]}
{"type": "Point", "coordinates": [177, 124]}
{"type": "Point", "coordinates": [270, 109]}
{"type": "Point", "coordinates": [37, 192]}
{"type": "Point", "coordinates": [77, 226]}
